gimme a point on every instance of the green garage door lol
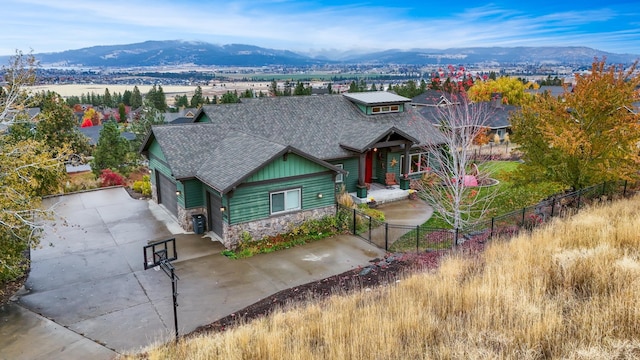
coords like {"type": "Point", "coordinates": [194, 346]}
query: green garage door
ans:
{"type": "Point", "coordinates": [167, 193]}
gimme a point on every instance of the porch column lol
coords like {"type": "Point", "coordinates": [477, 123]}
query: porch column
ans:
{"type": "Point", "coordinates": [361, 188]}
{"type": "Point", "coordinates": [404, 180]}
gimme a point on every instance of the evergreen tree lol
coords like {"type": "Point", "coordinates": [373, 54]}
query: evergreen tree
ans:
{"type": "Point", "coordinates": [329, 88]}
{"type": "Point", "coordinates": [197, 100]}
{"type": "Point", "coordinates": [58, 126]}
{"type": "Point", "coordinates": [181, 101]}
{"type": "Point", "coordinates": [229, 98]}
{"type": "Point", "coordinates": [126, 97]}
{"type": "Point", "coordinates": [111, 149]}
{"type": "Point", "coordinates": [273, 89]}
{"type": "Point", "coordinates": [136, 98]}
{"type": "Point", "coordinates": [160, 99]}
{"type": "Point", "coordinates": [122, 112]}
{"type": "Point", "coordinates": [106, 100]}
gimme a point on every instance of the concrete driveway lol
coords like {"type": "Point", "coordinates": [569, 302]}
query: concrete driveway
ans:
{"type": "Point", "coordinates": [88, 277]}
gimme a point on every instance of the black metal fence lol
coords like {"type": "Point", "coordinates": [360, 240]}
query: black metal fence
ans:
{"type": "Point", "coordinates": [420, 238]}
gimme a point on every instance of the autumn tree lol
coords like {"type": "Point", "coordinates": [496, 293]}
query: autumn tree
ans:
{"type": "Point", "coordinates": [446, 184]}
{"type": "Point", "coordinates": [588, 135]}
{"type": "Point", "coordinates": [510, 89]}
{"type": "Point", "coordinates": [27, 171]}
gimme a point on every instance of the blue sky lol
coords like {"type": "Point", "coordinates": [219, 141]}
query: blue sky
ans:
{"type": "Point", "coordinates": [309, 25]}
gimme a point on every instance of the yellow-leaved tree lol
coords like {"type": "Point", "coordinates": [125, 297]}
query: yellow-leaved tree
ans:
{"type": "Point", "coordinates": [28, 169]}
{"type": "Point", "coordinates": [586, 136]}
{"type": "Point", "coordinates": [510, 89]}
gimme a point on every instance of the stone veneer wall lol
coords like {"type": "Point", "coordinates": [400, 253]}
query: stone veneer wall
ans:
{"type": "Point", "coordinates": [271, 226]}
{"type": "Point", "coordinates": [184, 217]}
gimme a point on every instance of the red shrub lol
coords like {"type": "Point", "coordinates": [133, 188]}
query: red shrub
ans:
{"type": "Point", "coordinates": [110, 178]}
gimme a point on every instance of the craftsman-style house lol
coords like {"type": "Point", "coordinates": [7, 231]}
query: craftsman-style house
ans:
{"type": "Point", "coordinates": [263, 164]}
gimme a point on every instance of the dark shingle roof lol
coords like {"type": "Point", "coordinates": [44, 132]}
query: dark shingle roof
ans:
{"type": "Point", "coordinates": [228, 163]}
{"type": "Point", "coordinates": [93, 134]}
{"type": "Point", "coordinates": [434, 97]}
{"type": "Point", "coordinates": [318, 125]}
{"type": "Point", "coordinates": [242, 137]}
{"type": "Point", "coordinates": [497, 116]}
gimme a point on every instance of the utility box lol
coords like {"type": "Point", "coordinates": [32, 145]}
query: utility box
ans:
{"type": "Point", "coordinates": [199, 224]}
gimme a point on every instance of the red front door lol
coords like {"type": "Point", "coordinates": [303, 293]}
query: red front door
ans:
{"type": "Point", "coordinates": [368, 170]}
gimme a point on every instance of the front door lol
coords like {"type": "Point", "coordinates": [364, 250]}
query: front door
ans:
{"type": "Point", "coordinates": [368, 170]}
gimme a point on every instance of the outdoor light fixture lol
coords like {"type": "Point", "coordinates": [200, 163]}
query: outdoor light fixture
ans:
{"type": "Point", "coordinates": [222, 209]}
{"type": "Point", "coordinates": [319, 195]}
{"type": "Point", "coordinates": [375, 149]}
{"type": "Point", "coordinates": [150, 171]}
{"type": "Point", "coordinates": [178, 193]}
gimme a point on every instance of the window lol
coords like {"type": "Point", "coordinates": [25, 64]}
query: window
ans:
{"type": "Point", "coordinates": [340, 176]}
{"type": "Point", "coordinates": [284, 201]}
{"type": "Point", "coordinates": [419, 163]}
{"type": "Point", "coordinates": [385, 109]}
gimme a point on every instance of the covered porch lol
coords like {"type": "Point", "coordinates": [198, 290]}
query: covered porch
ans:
{"type": "Point", "coordinates": [381, 194]}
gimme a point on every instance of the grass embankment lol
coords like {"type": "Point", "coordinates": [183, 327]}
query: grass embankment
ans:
{"type": "Point", "coordinates": [568, 290]}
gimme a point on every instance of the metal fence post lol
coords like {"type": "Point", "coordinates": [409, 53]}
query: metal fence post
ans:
{"type": "Point", "coordinates": [370, 219]}
{"type": "Point", "coordinates": [455, 239]}
{"type": "Point", "coordinates": [604, 188]}
{"type": "Point", "coordinates": [624, 190]}
{"type": "Point", "coordinates": [524, 212]}
{"type": "Point", "coordinates": [386, 236]}
{"type": "Point", "coordinates": [579, 193]}
{"type": "Point", "coordinates": [492, 223]}
{"type": "Point", "coordinates": [553, 206]}
{"type": "Point", "coordinates": [417, 239]}
{"type": "Point", "coordinates": [354, 221]}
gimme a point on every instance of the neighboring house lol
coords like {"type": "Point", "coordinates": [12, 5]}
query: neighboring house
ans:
{"type": "Point", "coordinates": [434, 98]}
{"type": "Point", "coordinates": [430, 102]}
{"type": "Point", "coordinates": [93, 134]}
{"type": "Point", "coordinates": [263, 164]}
{"type": "Point", "coordinates": [189, 113]}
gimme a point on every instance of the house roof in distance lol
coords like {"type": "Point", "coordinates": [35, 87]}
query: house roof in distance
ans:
{"type": "Point", "coordinates": [376, 98]}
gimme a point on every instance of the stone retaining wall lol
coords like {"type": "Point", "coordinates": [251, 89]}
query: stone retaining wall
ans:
{"type": "Point", "coordinates": [271, 226]}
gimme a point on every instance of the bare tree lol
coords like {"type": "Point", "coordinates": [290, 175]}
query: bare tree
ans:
{"type": "Point", "coordinates": [447, 183]}
{"type": "Point", "coordinates": [21, 72]}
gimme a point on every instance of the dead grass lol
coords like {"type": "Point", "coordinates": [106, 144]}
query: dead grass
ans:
{"type": "Point", "coordinates": [570, 290]}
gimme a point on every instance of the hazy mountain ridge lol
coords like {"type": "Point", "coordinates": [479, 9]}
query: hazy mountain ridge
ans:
{"type": "Point", "coordinates": [175, 52]}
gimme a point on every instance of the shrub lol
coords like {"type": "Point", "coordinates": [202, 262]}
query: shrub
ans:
{"type": "Point", "coordinates": [110, 178]}
{"type": "Point", "coordinates": [143, 186]}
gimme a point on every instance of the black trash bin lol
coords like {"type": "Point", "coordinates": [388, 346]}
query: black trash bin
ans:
{"type": "Point", "coordinates": [199, 223]}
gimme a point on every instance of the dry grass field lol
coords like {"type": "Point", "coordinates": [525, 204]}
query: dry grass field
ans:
{"type": "Point", "coordinates": [569, 290]}
{"type": "Point", "coordinates": [214, 88]}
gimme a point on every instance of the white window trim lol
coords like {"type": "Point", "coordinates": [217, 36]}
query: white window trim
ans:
{"type": "Point", "coordinates": [340, 176]}
{"type": "Point", "coordinates": [383, 109]}
{"type": "Point", "coordinates": [423, 167]}
{"type": "Point", "coordinates": [285, 192]}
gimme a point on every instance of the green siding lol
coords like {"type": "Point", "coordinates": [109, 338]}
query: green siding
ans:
{"type": "Point", "coordinates": [252, 202]}
{"type": "Point", "coordinates": [293, 166]}
{"type": "Point", "coordinates": [350, 180]}
{"type": "Point", "coordinates": [203, 118]}
{"type": "Point", "coordinates": [194, 194]}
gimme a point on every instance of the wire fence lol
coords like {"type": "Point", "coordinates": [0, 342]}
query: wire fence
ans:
{"type": "Point", "coordinates": [393, 237]}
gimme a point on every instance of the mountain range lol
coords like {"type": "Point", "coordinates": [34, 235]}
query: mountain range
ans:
{"type": "Point", "coordinates": [177, 52]}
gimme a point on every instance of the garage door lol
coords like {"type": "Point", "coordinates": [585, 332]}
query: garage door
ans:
{"type": "Point", "coordinates": [167, 193]}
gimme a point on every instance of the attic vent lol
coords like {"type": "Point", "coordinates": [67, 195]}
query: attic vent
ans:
{"type": "Point", "coordinates": [385, 109]}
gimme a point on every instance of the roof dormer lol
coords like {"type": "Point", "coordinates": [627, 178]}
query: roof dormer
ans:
{"type": "Point", "coordinates": [378, 102]}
